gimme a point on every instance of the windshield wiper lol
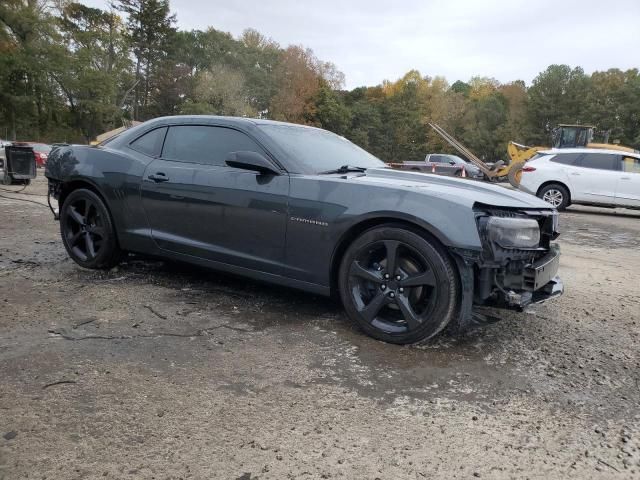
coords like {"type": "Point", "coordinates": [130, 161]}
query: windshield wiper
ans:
{"type": "Point", "coordinates": [344, 169]}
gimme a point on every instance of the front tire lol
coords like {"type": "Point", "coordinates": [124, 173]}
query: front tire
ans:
{"type": "Point", "coordinates": [555, 194]}
{"type": "Point", "coordinates": [397, 286]}
{"type": "Point", "coordinates": [87, 231]}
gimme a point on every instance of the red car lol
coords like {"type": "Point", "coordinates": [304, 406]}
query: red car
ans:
{"type": "Point", "coordinates": [41, 151]}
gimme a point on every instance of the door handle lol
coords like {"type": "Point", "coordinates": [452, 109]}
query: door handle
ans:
{"type": "Point", "coordinates": [158, 177]}
{"type": "Point", "coordinates": [575, 173]}
{"type": "Point", "coordinates": [625, 178]}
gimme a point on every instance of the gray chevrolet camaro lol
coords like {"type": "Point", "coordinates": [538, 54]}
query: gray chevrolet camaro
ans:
{"type": "Point", "coordinates": [408, 253]}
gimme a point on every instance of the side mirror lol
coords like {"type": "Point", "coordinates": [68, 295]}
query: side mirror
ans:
{"type": "Point", "coordinates": [251, 161]}
{"type": "Point", "coordinates": [451, 162]}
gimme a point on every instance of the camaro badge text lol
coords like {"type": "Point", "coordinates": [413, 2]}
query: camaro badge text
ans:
{"type": "Point", "coordinates": [310, 222]}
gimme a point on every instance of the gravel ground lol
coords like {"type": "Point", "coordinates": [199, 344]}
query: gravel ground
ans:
{"type": "Point", "coordinates": [157, 370]}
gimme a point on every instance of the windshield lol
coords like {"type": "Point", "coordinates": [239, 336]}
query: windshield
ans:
{"type": "Point", "coordinates": [317, 150]}
{"type": "Point", "coordinates": [457, 159]}
{"type": "Point", "coordinates": [38, 147]}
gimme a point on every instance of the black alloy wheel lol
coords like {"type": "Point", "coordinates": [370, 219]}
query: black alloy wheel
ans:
{"type": "Point", "coordinates": [87, 230]}
{"type": "Point", "coordinates": [397, 286]}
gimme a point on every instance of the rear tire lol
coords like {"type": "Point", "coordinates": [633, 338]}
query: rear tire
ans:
{"type": "Point", "coordinates": [555, 194]}
{"type": "Point", "coordinates": [397, 286]}
{"type": "Point", "coordinates": [88, 232]}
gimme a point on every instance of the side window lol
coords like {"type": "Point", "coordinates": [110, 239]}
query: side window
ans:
{"type": "Point", "coordinates": [631, 164]}
{"type": "Point", "coordinates": [564, 158]}
{"type": "Point", "coordinates": [150, 143]}
{"type": "Point", "coordinates": [435, 159]}
{"type": "Point", "coordinates": [205, 145]}
{"type": "Point", "coordinates": [601, 161]}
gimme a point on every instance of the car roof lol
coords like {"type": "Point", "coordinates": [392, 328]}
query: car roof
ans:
{"type": "Point", "coordinates": [227, 120]}
{"type": "Point", "coordinates": [557, 151]}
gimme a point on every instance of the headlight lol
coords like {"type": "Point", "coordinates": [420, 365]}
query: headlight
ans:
{"type": "Point", "coordinates": [514, 232]}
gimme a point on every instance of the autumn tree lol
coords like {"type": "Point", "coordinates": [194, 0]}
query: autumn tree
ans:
{"type": "Point", "coordinates": [297, 84]}
{"type": "Point", "coordinates": [69, 72]}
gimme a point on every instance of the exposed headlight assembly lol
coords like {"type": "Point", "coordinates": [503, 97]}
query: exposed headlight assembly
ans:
{"type": "Point", "coordinates": [514, 232]}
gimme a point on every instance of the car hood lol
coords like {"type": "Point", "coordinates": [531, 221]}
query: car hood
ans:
{"type": "Point", "coordinates": [457, 190]}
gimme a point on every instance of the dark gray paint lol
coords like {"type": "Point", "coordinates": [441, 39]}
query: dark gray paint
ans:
{"type": "Point", "coordinates": [249, 223]}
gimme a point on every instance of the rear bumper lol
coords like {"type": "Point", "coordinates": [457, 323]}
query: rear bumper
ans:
{"type": "Point", "coordinates": [527, 186]}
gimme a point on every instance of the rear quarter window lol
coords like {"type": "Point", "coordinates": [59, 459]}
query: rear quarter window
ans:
{"type": "Point", "coordinates": [563, 158]}
{"type": "Point", "coordinates": [631, 165]}
{"type": "Point", "coordinates": [150, 143]}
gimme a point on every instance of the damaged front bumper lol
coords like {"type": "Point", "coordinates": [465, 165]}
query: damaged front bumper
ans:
{"type": "Point", "coordinates": [541, 282]}
{"type": "Point", "coordinates": [537, 283]}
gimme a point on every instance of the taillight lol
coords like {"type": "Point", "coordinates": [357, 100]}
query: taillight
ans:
{"type": "Point", "coordinates": [528, 169]}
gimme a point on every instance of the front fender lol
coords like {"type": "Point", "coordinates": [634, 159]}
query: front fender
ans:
{"type": "Point", "coordinates": [323, 212]}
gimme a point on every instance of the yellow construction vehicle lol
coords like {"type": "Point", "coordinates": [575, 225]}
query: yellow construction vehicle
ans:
{"type": "Point", "coordinates": [563, 136]}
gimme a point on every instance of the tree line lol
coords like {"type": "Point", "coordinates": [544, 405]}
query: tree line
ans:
{"type": "Point", "coordinates": [69, 72]}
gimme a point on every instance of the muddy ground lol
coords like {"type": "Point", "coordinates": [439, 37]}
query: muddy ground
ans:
{"type": "Point", "coordinates": [155, 370]}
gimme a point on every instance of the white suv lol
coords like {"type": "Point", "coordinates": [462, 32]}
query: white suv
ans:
{"type": "Point", "coordinates": [585, 176]}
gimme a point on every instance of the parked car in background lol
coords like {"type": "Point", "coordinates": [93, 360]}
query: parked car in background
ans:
{"type": "Point", "coordinates": [444, 164]}
{"type": "Point", "coordinates": [3, 143]}
{"type": "Point", "coordinates": [41, 150]}
{"type": "Point", "coordinates": [299, 206]}
{"type": "Point", "coordinates": [586, 176]}
{"type": "Point", "coordinates": [17, 165]}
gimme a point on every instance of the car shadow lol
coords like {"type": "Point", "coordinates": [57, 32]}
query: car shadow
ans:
{"type": "Point", "coordinates": [186, 278]}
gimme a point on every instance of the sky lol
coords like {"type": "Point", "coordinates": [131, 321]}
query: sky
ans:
{"type": "Point", "coordinates": [374, 40]}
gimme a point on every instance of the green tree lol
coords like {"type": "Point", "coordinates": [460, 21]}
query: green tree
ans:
{"type": "Point", "coordinates": [557, 95]}
{"type": "Point", "coordinates": [613, 104]}
{"type": "Point", "coordinates": [30, 46]}
{"type": "Point", "coordinates": [219, 91]}
{"type": "Point", "coordinates": [461, 87]}
{"type": "Point", "coordinates": [96, 74]}
{"type": "Point", "coordinates": [330, 111]}
{"type": "Point", "coordinates": [150, 32]}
